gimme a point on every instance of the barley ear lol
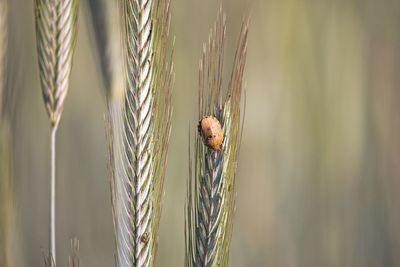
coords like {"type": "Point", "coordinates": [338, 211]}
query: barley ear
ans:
{"type": "Point", "coordinates": [56, 26]}
{"type": "Point", "coordinates": [138, 131]}
{"type": "Point", "coordinates": [210, 199]}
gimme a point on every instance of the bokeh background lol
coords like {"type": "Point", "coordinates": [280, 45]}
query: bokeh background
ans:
{"type": "Point", "coordinates": [318, 180]}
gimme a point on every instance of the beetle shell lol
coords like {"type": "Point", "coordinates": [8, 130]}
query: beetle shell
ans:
{"type": "Point", "coordinates": [211, 131]}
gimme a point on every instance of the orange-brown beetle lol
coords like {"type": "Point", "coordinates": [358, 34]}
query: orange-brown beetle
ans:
{"type": "Point", "coordinates": [210, 129]}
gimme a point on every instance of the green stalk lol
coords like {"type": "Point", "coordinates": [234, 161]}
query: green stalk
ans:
{"type": "Point", "coordinates": [53, 194]}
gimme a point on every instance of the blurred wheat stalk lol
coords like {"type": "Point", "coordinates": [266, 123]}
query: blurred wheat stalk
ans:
{"type": "Point", "coordinates": [56, 26]}
{"type": "Point", "coordinates": [6, 209]}
{"type": "Point", "coordinates": [105, 24]}
{"type": "Point", "coordinates": [138, 131]}
{"type": "Point", "coordinates": [73, 260]}
{"type": "Point", "coordinates": [210, 200]}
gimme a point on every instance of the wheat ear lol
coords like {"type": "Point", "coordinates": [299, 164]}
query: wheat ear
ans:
{"type": "Point", "coordinates": [56, 26]}
{"type": "Point", "coordinates": [210, 199]}
{"type": "Point", "coordinates": [140, 128]}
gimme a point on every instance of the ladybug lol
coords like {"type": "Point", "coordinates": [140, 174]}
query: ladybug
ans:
{"type": "Point", "coordinates": [211, 131]}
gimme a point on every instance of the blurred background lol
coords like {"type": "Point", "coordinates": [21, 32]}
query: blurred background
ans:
{"type": "Point", "coordinates": [318, 180]}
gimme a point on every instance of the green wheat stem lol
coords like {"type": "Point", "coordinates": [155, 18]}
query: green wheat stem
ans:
{"type": "Point", "coordinates": [53, 193]}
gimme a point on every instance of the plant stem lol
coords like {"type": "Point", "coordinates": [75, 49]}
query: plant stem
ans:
{"type": "Point", "coordinates": [53, 197]}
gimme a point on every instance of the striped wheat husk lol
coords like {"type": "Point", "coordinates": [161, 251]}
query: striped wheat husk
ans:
{"type": "Point", "coordinates": [138, 131]}
{"type": "Point", "coordinates": [56, 27]}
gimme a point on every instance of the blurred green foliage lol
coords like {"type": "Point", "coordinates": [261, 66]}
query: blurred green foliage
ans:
{"type": "Point", "coordinates": [319, 171]}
